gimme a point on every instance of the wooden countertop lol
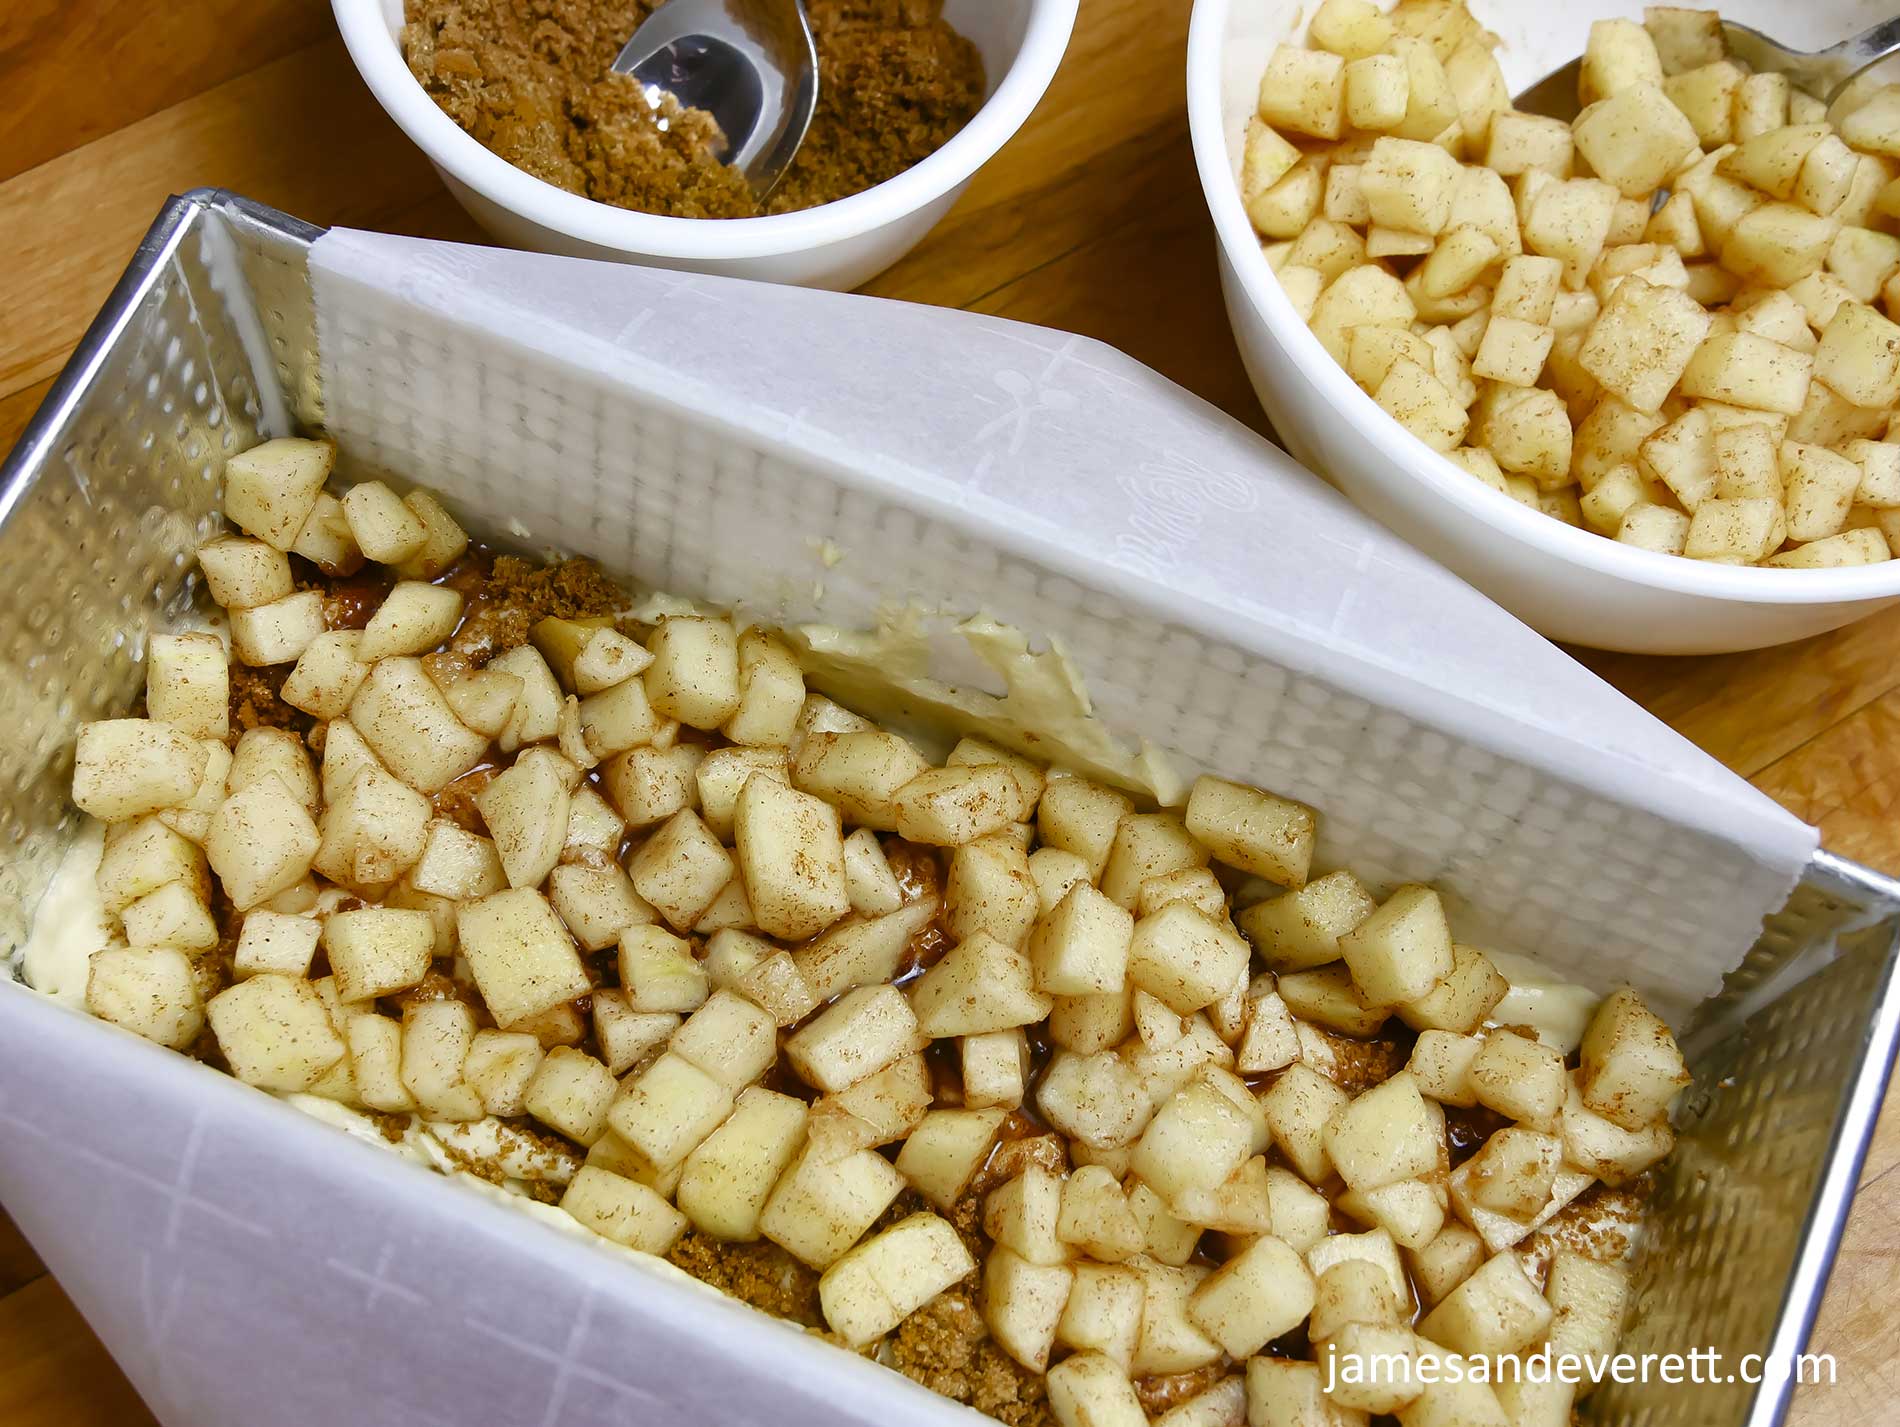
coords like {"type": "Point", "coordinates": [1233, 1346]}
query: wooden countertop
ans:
{"type": "Point", "coordinates": [1090, 220]}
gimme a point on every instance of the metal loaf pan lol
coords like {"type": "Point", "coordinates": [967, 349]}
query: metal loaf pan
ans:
{"type": "Point", "coordinates": [177, 1206]}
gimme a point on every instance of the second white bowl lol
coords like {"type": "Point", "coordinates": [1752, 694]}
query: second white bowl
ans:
{"type": "Point", "coordinates": [838, 245]}
{"type": "Point", "coordinates": [1569, 584]}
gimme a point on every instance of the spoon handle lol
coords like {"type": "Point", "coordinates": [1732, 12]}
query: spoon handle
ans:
{"type": "Point", "coordinates": [1824, 73]}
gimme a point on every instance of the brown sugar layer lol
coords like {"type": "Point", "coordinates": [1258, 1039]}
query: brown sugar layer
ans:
{"type": "Point", "coordinates": [945, 1346]}
{"type": "Point", "coordinates": [530, 80]}
{"type": "Point", "coordinates": [761, 1274]}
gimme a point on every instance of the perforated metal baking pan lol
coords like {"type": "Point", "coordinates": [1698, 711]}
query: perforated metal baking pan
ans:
{"type": "Point", "coordinates": [116, 479]}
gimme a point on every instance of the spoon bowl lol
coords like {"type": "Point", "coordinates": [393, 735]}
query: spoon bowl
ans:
{"type": "Point", "coordinates": [1828, 74]}
{"type": "Point", "coordinates": [751, 64]}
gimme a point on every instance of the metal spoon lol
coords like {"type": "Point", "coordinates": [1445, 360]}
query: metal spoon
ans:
{"type": "Point", "coordinates": [1823, 73]}
{"type": "Point", "coordinates": [751, 64]}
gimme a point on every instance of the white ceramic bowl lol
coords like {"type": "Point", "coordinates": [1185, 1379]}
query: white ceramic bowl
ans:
{"type": "Point", "coordinates": [838, 245]}
{"type": "Point", "coordinates": [1568, 583]}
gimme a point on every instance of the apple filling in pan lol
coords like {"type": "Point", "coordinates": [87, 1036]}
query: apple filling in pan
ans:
{"type": "Point", "coordinates": [1073, 1109]}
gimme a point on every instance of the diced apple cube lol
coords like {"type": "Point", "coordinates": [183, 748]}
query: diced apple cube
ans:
{"type": "Point", "coordinates": [260, 842]}
{"type": "Point", "coordinates": [1463, 999]}
{"type": "Point", "coordinates": [443, 541]}
{"type": "Point", "coordinates": [271, 941]}
{"type": "Point", "coordinates": [187, 684]}
{"type": "Point", "coordinates": [1873, 126]}
{"type": "Point", "coordinates": [730, 1039]}
{"type": "Point", "coordinates": [1388, 1133]}
{"type": "Point", "coordinates": [377, 951]}
{"type": "Point", "coordinates": [680, 869]}
{"type": "Point", "coordinates": [270, 489]}
{"type": "Point", "coordinates": [1518, 1077]}
{"type": "Point", "coordinates": [124, 768]}
{"type": "Point", "coordinates": [1859, 356]}
{"type": "Point", "coordinates": [694, 676]}
{"type": "Point", "coordinates": [175, 916]}
{"type": "Point", "coordinates": [1778, 244]}
{"type": "Point", "coordinates": [1284, 1393]}
{"type": "Point", "coordinates": [596, 903]}
{"type": "Point", "coordinates": [375, 1059]}
{"type": "Point", "coordinates": [1304, 91]}
{"type": "Point", "coordinates": [729, 1176]}
{"type": "Point", "coordinates": [869, 882]}
{"type": "Point", "coordinates": [1095, 1216]}
{"type": "Point", "coordinates": [1328, 996]}
{"type": "Point", "coordinates": [1299, 1106]}
{"type": "Point", "coordinates": [1094, 1098]}
{"type": "Point", "coordinates": [859, 772]}
{"type": "Point", "coordinates": [669, 1110]}
{"type": "Point", "coordinates": [151, 991]}
{"type": "Point", "coordinates": [989, 890]}
{"type": "Point", "coordinates": [1402, 950]}
{"type": "Point", "coordinates": [875, 1111]}
{"type": "Point", "coordinates": [499, 1067]}
{"type": "Point", "coordinates": [1604, 1148]}
{"type": "Point", "coordinates": [405, 719]}
{"type": "Point", "coordinates": [274, 1032]}
{"type": "Point", "coordinates": [437, 1037]}
{"type": "Point", "coordinates": [1022, 1304]}
{"type": "Point", "coordinates": [1197, 1138]}
{"type": "Point", "coordinates": [1441, 1065]}
{"type": "Point", "coordinates": [413, 618]}
{"type": "Point", "coordinates": [386, 530]}
{"type": "Point", "coordinates": [883, 1281]}
{"type": "Point", "coordinates": [1091, 1023]}
{"type": "Point", "coordinates": [1184, 958]}
{"type": "Point", "coordinates": [944, 1152]}
{"type": "Point", "coordinates": [1262, 1292]}
{"type": "Point", "coordinates": [981, 985]}
{"type": "Point", "coordinates": [648, 785]}
{"type": "Point", "coordinates": [1081, 817]}
{"type": "Point", "coordinates": [1371, 1367]}
{"type": "Point", "coordinates": [1091, 1389]}
{"type": "Point", "coordinates": [1635, 139]}
{"type": "Point", "coordinates": [947, 807]}
{"type": "Point", "coordinates": [1643, 340]}
{"type": "Point", "coordinates": [771, 693]}
{"type": "Point", "coordinates": [1103, 1313]}
{"type": "Point", "coordinates": [140, 857]}
{"type": "Point", "coordinates": [243, 574]}
{"type": "Point", "coordinates": [1496, 1310]}
{"type": "Point", "coordinates": [1021, 1215]}
{"type": "Point", "coordinates": [791, 853]}
{"type": "Point", "coordinates": [614, 720]}
{"type": "Point", "coordinates": [520, 955]}
{"type": "Point", "coordinates": [659, 971]}
{"type": "Point", "coordinates": [570, 1093]}
{"type": "Point", "coordinates": [623, 1210]}
{"type": "Point", "coordinates": [862, 953]}
{"type": "Point", "coordinates": [995, 1068]}
{"type": "Point", "coordinates": [1253, 830]}
{"type": "Point", "coordinates": [1302, 928]}
{"type": "Point", "coordinates": [1632, 1067]}
{"type": "Point", "coordinates": [1444, 1263]}
{"type": "Point", "coordinates": [327, 675]}
{"type": "Point", "coordinates": [1170, 1342]}
{"type": "Point", "coordinates": [722, 775]}
{"type": "Point", "coordinates": [1353, 1291]}
{"type": "Point", "coordinates": [1514, 1172]}
{"type": "Point", "coordinates": [1588, 1300]}
{"type": "Point", "coordinates": [1148, 845]}
{"type": "Point", "coordinates": [822, 1205]}
{"type": "Point", "coordinates": [858, 1035]}
{"type": "Point", "coordinates": [374, 832]}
